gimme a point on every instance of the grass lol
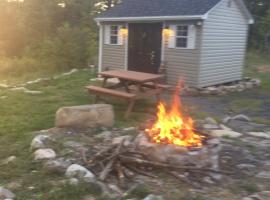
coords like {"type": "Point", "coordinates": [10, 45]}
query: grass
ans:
{"type": "Point", "coordinates": [21, 114]}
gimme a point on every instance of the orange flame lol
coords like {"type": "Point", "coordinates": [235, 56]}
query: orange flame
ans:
{"type": "Point", "coordinates": [171, 127]}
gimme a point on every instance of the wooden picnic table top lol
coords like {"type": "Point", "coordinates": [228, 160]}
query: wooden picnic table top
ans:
{"type": "Point", "coordinates": [139, 77]}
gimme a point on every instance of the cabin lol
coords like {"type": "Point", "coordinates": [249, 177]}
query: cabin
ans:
{"type": "Point", "coordinates": [202, 42]}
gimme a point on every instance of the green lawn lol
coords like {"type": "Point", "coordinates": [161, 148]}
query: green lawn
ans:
{"type": "Point", "coordinates": [21, 114]}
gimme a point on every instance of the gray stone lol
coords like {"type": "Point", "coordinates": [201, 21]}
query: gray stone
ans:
{"type": "Point", "coordinates": [73, 181]}
{"type": "Point", "coordinates": [245, 166]}
{"type": "Point", "coordinates": [210, 126]}
{"type": "Point", "coordinates": [126, 139]}
{"type": "Point", "coordinates": [212, 90]}
{"type": "Point", "coordinates": [259, 134]}
{"type": "Point", "coordinates": [153, 197]}
{"type": "Point", "coordinates": [6, 194]}
{"type": "Point", "coordinates": [241, 117]}
{"type": "Point", "coordinates": [263, 175]}
{"type": "Point", "coordinates": [222, 126]}
{"type": "Point", "coordinates": [105, 135]}
{"type": "Point", "coordinates": [32, 92]}
{"type": "Point", "coordinates": [256, 82]}
{"type": "Point", "coordinates": [78, 171]}
{"type": "Point", "coordinates": [57, 166]}
{"type": "Point", "coordinates": [249, 85]}
{"type": "Point", "coordinates": [225, 120]}
{"type": "Point", "coordinates": [225, 133]}
{"type": "Point", "coordinates": [86, 116]}
{"type": "Point", "coordinates": [8, 160]}
{"type": "Point", "coordinates": [210, 120]}
{"type": "Point", "coordinates": [43, 154]}
{"type": "Point", "coordinates": [73, 144]}
{"type": "Point", "coordinates": [39, 142]}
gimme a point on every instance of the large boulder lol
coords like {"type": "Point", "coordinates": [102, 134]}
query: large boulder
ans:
{"type": "Point", "coordinates": [85, 116]}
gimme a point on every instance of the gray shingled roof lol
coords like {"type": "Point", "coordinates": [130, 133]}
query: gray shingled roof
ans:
{"type": "Point", "coordinates": [159, 8]}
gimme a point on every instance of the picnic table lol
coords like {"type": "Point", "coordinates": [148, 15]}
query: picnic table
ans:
{"type": "Point", "coordinates": [136, 85]}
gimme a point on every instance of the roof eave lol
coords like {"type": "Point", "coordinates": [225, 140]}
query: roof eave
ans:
{"type": "Point", "coordinates": [153, 18]}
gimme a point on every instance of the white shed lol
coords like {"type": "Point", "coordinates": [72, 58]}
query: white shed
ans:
{"type": "Point", "coordinates": [200, 41]}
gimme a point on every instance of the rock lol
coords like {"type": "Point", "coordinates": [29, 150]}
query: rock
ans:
{"type": "Point", "coordinates": [258, 196]}
{"type": "Point", "coordinates": [223, 127]}
{"type": "Point", "coordinates": [73, 181]}
{"type": "Point", "coordinates": [129, 130]}
{"type": "Point", "coordinates": [43, 154]}
{"type": "Point", "coordinates": [212, 90]}
{"type": "Point", "coordinates": [263, 175]}
{"type": "Point", "coordinates": [105, 135]}
{"type": "Point", "coordinates": [70, 72]}
{"type": "Point", "coordinates": [2, 85]}
{"type": "Point", "coordinates": [256, 82]}
{"type": "Point", "coordinates": [6, 194]}
{"type": "Point", "coordinates": [86, 116]}
{"type": "Point", "coordinates": [225, 120]}
{"type": "Point", "coordinates": [247, 198]}
{"type": "Point", "coordinates": [78, 171]}
{"type": "Point", "coordinates": [39, 142]}
{"type": "Point", "coordinates": [8, 160]}
{"type": "Point", "coordinates": [243, 126]}
{"type": "Point", "coordinates": [73, 144]}
{"type": "Point", "coordinates": [208, 180]}
{"type": "Point", "coordinates": [265, 195]}
{"type": "Point", "coordinates": [19, 89]}
{"type": "Point", "coordinates": [32, 92]}
{"type": "Point", "coordinates": [153, 197]}
{"type": "Point", "coordinates": [210, 126]}
{"type": "Point", "coordinates": [244, 166]}
{"type": "Point", "coordinates": [249, 85]}
{"type": "Point", "coordinates": [57, 166]}
{"type": "Point", "coordinates": [227, 133]}
{"type": "Point", "coordinates": [126, 139]}
{"type": "Point", "coordinates": [210, 120]}
{"type": "Point", "coordinates": [259, 134]}
{"type": "Point", "coordinates": [241, 117]}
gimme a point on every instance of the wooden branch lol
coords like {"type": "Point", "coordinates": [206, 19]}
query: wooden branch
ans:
{"type": "Point", "coordinates": [100, 154]}
{"type": "Point", "coordinates": [103, 175]}
{"type": "Point", "coordinates": [126, 159]}
{"type": "Point", "coordinates": [140, 171]}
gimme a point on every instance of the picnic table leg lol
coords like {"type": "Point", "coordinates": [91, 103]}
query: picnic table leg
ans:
{"type": "Point", "coordinates": [104, 82]}
{"type": "Point", "coordinates": [129, 109]}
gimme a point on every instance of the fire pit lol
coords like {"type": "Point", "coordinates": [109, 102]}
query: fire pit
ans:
{"type": "Point", "coordinates": [172, 139]}
{"type": "Point", "coordinates": [170, 143]}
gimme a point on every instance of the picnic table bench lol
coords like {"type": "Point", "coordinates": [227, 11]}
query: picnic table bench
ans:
{"type": "Point", "coordinates": [137, 85]}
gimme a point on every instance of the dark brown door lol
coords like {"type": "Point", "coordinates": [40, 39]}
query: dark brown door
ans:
{"type": "Point", "coordinates": [144, 52]}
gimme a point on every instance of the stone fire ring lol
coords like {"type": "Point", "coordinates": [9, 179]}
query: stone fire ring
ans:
{"type": "Point", "coordinates": [205, 156]}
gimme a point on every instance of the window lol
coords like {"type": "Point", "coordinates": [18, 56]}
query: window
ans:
{"type": "Point", "coordinates": [114, 35]}
{"type": "Point", "coordinates": [182, 36]}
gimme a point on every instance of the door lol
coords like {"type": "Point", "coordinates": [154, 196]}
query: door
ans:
{"type": "Point", "coordinates": [144, 47]}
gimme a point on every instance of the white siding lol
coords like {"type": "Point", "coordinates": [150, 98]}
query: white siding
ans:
{"type": "Point", "coordinates": [113, 56]}
{"type": "Point", "coordinates": [223, 45]}
{"type": "Point", "coordinates": [183, 63]}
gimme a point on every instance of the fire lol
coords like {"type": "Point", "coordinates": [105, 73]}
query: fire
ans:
{"type": "Point", "coordinates": [171, 127]}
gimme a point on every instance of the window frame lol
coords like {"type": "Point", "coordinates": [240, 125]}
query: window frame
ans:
{"type": "Point", "coordinates": [114, 35]}
{"type": "Point", "coordinates": [182, 36]}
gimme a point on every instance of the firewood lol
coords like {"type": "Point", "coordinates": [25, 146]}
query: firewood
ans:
{"type": "Point", "coordinates": [126, 159]}
{"type": "Point", "coordinates": [101, 153]}
{"type": "Point", "coordinates": [140, 171]}
{"type": "Point", "coordinates": [109, 167]}
{"type": "Point", "coordinates": [120, 174]}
